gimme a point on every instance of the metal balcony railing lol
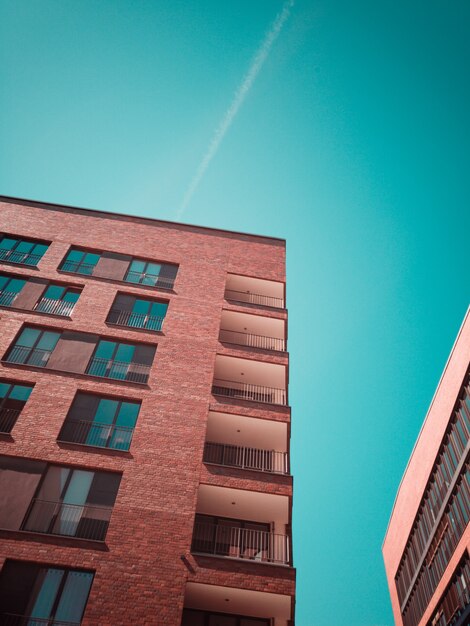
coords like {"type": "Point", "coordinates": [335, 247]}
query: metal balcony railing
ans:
{"type": "Point", "coordinates": [10, 619]}
{"type": "Point", "coordinates": [21, 258]}
{"type": "Point", "coordinates": [76, 267]}
{"type": "Point", "coordinates": [55, 307]}
{"type": "Point", "coordinates": [7, 297]}
{"type": "Point", "coordinates": [240, 543]}
{"type": "Point", "coordinates": [70, 520]}
{"type": "Point", "coordinates": [96, 434]}
{"type": "Point", "coordinates": [254, 298]}
{"type": "Point", "coordinates": [253, 341]}
{"type": "Point", "coordinates": [246, 458]}
{"type": "Point", "coordinates": [134, 320]}
{"type": "Point", "coordinates": [8, 418]}
{"type": "Point", "coordinates": [22, 354]}
{"type": "Point", "coordinates": [247, 391]}
{"type": "Point", "coordinates": [118, 370]}
{"type": "Point", "coordinates": [152, 280]}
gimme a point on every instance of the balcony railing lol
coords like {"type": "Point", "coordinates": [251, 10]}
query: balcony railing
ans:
{"type": "Point", "coordinates": [22, 354]}
{"type": "Point", "coordinates": [76, 267]}
{"type": "Point", "coordinates": [152, 280]}
{"type": "Point", "coordinates": [254, 298]}
{"type": "Point", "coordinates": [7, 297]}
{"type": "Point", "coordinates": [240, 543]}
{"type": "Point", "coordinates": [246, 458]}
{"type": "Point", "coordinates": [8, 418]}
{"type": "Point", "coordinates": [134, 320]}
{"type": "Point", "coordinates": [10, 619]}
{"type": "Point", "coordinates": [55, 307]}
{"type": "Point", "coordinates": [96, 434]}
{"type": "Point", "coordinates": [247, 391]}
{"type": "Point", "coordinates": [70, 520]}
{"type": "Point", "coordinates": [118, 370]}
{"type": "Point", "coordinates": [21, 258]}
{"type": "Point", "coordinates": [253, 341]}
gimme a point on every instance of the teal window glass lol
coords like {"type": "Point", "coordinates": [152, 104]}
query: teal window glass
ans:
{"type": "Point", "coordinates": [58, 300]}
{"type": "Point", "coordinates": [9, 289]}
{"type": "Point", "coordinates": [80, 262]}
{"type": "Point", "coordinates": [33, 347]}
{"type": "Point", "coordinates": [21, 251]}
{"type": "Point", "coordinates": [12, 400]}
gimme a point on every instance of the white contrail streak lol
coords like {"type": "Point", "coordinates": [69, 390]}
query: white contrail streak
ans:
{"type": "Point", "coordinates": [238, 99]}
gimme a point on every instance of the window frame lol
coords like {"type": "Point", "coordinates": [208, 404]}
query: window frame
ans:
{"type": "Point", "coordinates": [19, 240]}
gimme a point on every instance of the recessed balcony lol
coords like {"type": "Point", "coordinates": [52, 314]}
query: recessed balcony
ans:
{"type": "Point", "coordinates": [244, 379]}
{"type": "Point", "coordinates": [241, 524]}
{"type": "Point", "coordinates": [246, 443]}
{"type": "Point", "coordinates": [254, 291]}
{"type": "Point", "coordinates": [215, 605]}
{"type": "Point", "coordinates": [254, 331]}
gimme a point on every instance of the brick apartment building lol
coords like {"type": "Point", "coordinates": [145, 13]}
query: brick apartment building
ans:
{"type": "Point", "coordinates": [144, 422]}
{"type": "Point", "coordinates": [426, 548]}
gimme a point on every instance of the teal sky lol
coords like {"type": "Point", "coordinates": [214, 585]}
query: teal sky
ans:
{"type": "Point", "coordinates": [352, 144]}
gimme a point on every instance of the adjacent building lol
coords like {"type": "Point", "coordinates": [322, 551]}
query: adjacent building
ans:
{"type": "Point", "coordinates": [426, 548]}
{"type": "Point", "coordinates": [144, 422]}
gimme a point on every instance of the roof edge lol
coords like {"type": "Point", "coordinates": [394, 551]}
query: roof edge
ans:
{"type": "Point", "coordinates": [127, 216]}
{"type": "Point", "coordinates": [467, 315]}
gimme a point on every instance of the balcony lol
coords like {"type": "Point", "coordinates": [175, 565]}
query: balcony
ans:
{"type": "Point", "coordinates": [19, 258]}
{"type": "Point", "coordinates": [242, 457]}
{"type": "Point", "coordinates": [55, 307]}
{"type": "Point", "coordinates": [28, 356]}
{"type": "Point", "coordinates": [253, 331]}
{"type": "Point", "coordinates": [254, 291]}
{"type": "Point", "coordinates": [119, 317]}
{"type": "Point", "coordinates": [240, 543]}
{"type": "Point", "coordinates": [245, 379]}
{"type": "Point", "coordinates": [119, 370]}
{"type": "Point", "coordinates": [232, 606]}
{"type": "Point", "coordinates": [8, 419]}
{"type": "Point", "coordinates": [97, 435]}
{"type": "Point", "coordinates": [71, 520]}
{"type": "Point", "coordinates": [7, 297]}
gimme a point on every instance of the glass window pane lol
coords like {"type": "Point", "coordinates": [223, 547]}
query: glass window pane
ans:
{"type": "Point", "coordinates": [128, 414]}
{"type": "Point", "coordinates": [8, 243]}
{"type": "Point", "coordinates": [40, 248]}
{"type": "Point", "coordinates": [28, 337]}
{"type": "Point", "coordinates": [16, 285]}
{"type": "Point", "coordinates": [159, 309]}
{"type": "Point", "coordinates": [74, 597]}
{"type": "Point", "coordinates": [75, 256]}
{"type": "Point", "coordinates": [48, 340]}
{"type": "Point", "coordinates": [137, 266]}
{"type": "Point", "coordinates": [20, 392]}
{"type": "Point", "coordinates": [53, 484]}
{"type": "Point", "coordinates": [3, 281]}
{"type": "Point", "coordinates": [125, 352]}
{"type": "Point", "coordinates": [24, 246]}
{"type": "Point", "coordinates": [153, 268]}
{"type": "Point", "coordinates": [141, 306]}
{"type": "Point", "coordinates": [54, 292]}
{"type": "Point", "coordinates": [105, 349]}
{"type": "Point", "coordinates": [91, 258]}
{"type": "Point", "coordinates": [4, 387]}
{"type": "Point", "coordinates": [71, 296]}
{"type": "Point", "coordinates": [46, 588]}
{"type": "Point", "coordinates": [106, 411]}
{"type": "Point", "coordinates": [149, 279]}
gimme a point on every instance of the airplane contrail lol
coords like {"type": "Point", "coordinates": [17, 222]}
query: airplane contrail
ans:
{"type": "Point", "coordinates": [238, 99]}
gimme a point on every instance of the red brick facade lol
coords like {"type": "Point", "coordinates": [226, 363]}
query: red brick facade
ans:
{"type": "Point", "coordinates": [140, 575]}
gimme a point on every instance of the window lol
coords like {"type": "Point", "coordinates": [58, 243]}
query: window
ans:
{"type": "Point", "coordinates": [103, 422]}
{"type": "Point", "coordinates": [21, 251]}
{"type": "Point", "coordinates": [33, 347]}
{"type": "Point", "coordinates": [32, 594]}
{"type": "Point", "coordinates": [56, 500]}
{"type": "Point", "coordinates": [13, 397]}
{"type": "Point", "coordinates": [9, 288]}
{"type": "Point", "coordinates": [137, 312]}
{"type": "Point", "coordinates": [80, 262]}
{"type": "Point", "coordinates": [151, 273]}
{"type": "Point", "coordinates": [121, 361]}
{"type": "Point", "coordinates": [58, 300]}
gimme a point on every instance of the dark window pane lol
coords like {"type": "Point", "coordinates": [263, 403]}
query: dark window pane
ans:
{"type": "Point", "coordinates": [105, 349]}
{"type": "Point", "coordinates": [54, 292]}
{"type": "Point", "coordinates": [20, 392]}
{"type": "Point", "coordinates": [28, 337]}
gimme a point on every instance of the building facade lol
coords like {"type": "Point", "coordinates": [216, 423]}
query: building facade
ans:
{"type": "Point", "coordinates": [426, 548]}
{"type": "Point", "coordinates": [144, 422]}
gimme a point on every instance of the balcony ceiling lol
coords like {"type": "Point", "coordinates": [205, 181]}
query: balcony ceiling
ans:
{"type": "Point", "coordinates": [246, 431]}
{"type": "Point", "coordinates": [250, 371]}
{"type": "Point", "coordinates": [252, 324]}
